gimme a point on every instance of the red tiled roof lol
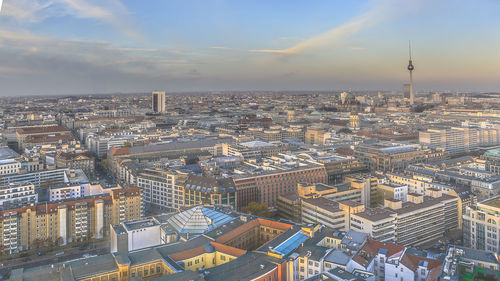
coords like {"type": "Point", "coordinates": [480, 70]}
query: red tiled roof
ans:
{"type": "Point", "coordinates": [46, 139]}
{"type": "Point", "coordinates": [274, 224]}
{"type": "Point", "coordinates": [249, 225]}
{"type": "Point", "coordinates": [188, 254]}
{"type": "Point", "coordinates": [371, 248]}
{"type": "Point", "coordinates": [118, 151]}
{"type": "Point", "coordinates": [237, 231]}
{"type": "Point", "coordinates": [235, 252]}
{"type": "Point", "coordinates": [411, 261]}
{"type": "Point", "coordinates": [38, 130]}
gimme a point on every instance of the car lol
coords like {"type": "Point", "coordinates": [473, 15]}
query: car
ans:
{"type": "Point", "coordinates": [41, 253]}
{"type": "Point", "coordinates": [60, 253]}
{"type": "Point", "coordinates": [89, 255]}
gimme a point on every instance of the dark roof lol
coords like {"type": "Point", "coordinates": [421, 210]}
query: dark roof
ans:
{"type": "Point", "coordinates": [247, 267]}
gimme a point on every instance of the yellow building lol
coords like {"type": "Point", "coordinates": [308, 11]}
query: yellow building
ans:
{"type": "Point", "coordinates": [62, 222]}
{"type": "Point", "coordinates": [315, 136]}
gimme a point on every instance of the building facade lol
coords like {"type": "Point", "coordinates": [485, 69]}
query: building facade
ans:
{"type": "Point", "coordinates": [67, 221]}
{"type": "Point", "coordinates": [481, 225]}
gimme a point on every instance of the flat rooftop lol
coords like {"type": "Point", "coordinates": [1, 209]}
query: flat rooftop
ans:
{"type": "Point", "coordinates": [7, 153]}
{"type": "Point", "coordinates": [144, 223]}
{"type": "Point", "coordinates": [493, 202]}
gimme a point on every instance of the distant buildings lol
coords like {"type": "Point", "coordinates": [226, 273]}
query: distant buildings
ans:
{"type": "Point", "coordinates": [456, 140]}
{"type": "Point", "coordinates": [406, 91]}
{"type": "Point", "coordinates": [390, 157]}
{"type": "Point", "coordinates": [42, 135]}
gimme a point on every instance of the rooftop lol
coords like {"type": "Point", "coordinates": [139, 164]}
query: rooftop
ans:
{"type": "Point", "coordinates": [7, 153]}
{"type": "Point", "coordinates": [139, 224]}
{"type": "Point", "coordinates": [492, 202]}
{"type": "Point", "coordinates": [198, 220]}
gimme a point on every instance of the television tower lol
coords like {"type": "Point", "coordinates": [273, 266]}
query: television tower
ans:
{"type": "Point", "coordinates": [410, 68]}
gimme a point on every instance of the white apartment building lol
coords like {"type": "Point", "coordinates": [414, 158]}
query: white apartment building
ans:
{"type": "Point", "coordinates": [76, 191]}
{"type": "Point", "coordinates": [423, 219]}
{"type": "Point", "coordinates": [134, 235]}
{"type": "Point", "coordinates": [379, 223]}
{"type": "Point", "coordinates": [18, 194]}
{"type": "Point", "coordinates": [163, 189]}
{"type": "Point", "coordinates": [324, 211]}
{"type": "Point", "coordinates": [393, 191]}
{"type": "Point", "coordinates": [457, 140]}
{"type": "Point", "coordinates": [9, 167]}
{"type": "Point", "coordinates": [99, 145]}
{"type": "Point", "coordinates": [415, 222]}
{"type": "Point", "coordinates": [392, 262]}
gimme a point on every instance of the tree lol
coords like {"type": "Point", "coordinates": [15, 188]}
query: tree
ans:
{"type": "Point", "coordinates": [37, 243]}
{"type": "Point", "coordinates": [59, 241]}
{"type": "Point", "coordinates": [260, 210]}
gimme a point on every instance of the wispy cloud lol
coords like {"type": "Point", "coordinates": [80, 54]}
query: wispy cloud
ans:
{"type": "Point", "coordinates": [381, 11]}
{"type": "Point", "coordinates": [23, 51]}
{"type": "Point", "coordinates": [112, 12]}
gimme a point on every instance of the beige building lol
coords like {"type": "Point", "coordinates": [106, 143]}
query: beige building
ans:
{"type": "Point", "coordinates": [423, 219]}
{"type": "Point", "coordinates": [67, 221]}
{"type": "Point", "coordinates": [24, 133]}
{"type": "Point", "coordinates": [419, 220]}
{"type": "Point", "coordinates": [315, 136]}
{"type": "Point", "coordinates": [481, 225]}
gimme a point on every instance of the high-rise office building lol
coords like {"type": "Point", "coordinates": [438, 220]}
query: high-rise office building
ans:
{"type": "Point", "coordinates": [406, 91]}
{"type": "Point", "coordinates": [158, 102]}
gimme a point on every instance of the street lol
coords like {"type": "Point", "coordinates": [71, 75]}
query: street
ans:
{"type": "Point", "coordinates": [51, 258]}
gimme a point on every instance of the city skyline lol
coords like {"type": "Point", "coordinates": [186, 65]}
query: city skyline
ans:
{"type": "Point", "coordinates": [84, 47]}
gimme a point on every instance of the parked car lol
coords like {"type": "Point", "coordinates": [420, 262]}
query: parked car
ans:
{"type": "Point", "coordinates": [60, 253]}
{"type": "Point", "coordinates": [41, 253]}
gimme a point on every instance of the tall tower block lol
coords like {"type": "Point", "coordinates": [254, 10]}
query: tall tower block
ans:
{"type": "Point", "coordinates": [158, 102]}
{"type": "Point", "coordinates": [410, 68]}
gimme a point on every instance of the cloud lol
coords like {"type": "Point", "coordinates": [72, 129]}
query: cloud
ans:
{"type": "Point", "coordinates": [112, 12]}
{"type": "Point", "coordinates": [380, 11]}
{"type": "Point", "coordinates": [38, 64]}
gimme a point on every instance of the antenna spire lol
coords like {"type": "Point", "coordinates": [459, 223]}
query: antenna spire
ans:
{"type": "Point", "coordinates": [409, 48]}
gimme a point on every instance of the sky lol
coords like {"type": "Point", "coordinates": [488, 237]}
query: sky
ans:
{"type": "Point", "coordinates": [50, 47]}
